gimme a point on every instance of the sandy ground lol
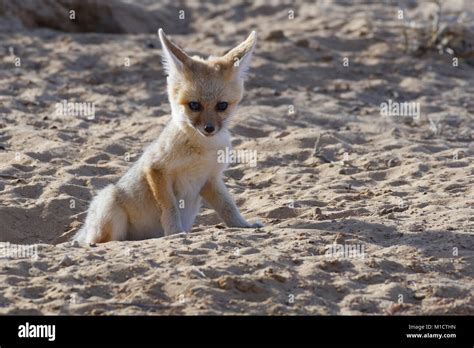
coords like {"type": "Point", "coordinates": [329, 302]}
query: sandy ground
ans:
{"type": "Point", "coordinates": [398, 187]}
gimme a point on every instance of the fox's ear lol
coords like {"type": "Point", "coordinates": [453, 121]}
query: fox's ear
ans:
{"type": "Point", "coordinates": [174, 58]}
{"type": "Point", "coordinates": [241, 55]}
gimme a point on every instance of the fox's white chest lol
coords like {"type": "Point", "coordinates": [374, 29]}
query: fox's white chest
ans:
{"type": "Point", "coordinates": [188, 182]}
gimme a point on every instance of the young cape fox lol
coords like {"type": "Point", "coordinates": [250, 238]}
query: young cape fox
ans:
{"type": "Point", "coordinates": [161, 193]}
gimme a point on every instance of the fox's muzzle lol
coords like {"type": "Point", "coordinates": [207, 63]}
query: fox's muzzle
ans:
{"type": "Point", "coordinates": [209, 128]}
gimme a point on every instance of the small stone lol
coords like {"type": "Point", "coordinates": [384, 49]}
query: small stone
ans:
{"type": "Point", "coordinates": [339, 238]}
{"type": "Point", "coordinates": [393, 162]}
{"type": "Point", "coordinates": [394, 308]}
{"type": "Point", "coordinates": [302, 43]}
{"type": "Point", "coordinates": [275, 35]}
{"type": "Point", "coordinates": [279, 278]}
{"type": "Point", "coordinates": [225, 283]}
{"type": "Point", "coordinates": [66, 261]}
{"type": "Point", "coordinates": [318, 214]}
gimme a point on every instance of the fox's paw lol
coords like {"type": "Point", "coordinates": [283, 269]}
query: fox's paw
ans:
{"type": "Point", "coordinates": [256, 224]}
{"type": "Point", "coordinates": [176, 233]}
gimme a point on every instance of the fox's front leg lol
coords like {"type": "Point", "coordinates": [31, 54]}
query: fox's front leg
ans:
{"type": "Point", "coordinates": [216, 194]}
{"type": "Point", "coordinates": [162, 191]}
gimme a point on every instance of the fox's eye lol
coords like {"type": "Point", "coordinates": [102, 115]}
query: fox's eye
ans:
{"type": "Point", "coordinates": [195, 106]}
{"type": "Point", "coordinates": [221, 106]}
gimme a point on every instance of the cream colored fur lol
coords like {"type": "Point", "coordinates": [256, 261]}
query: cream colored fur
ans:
{"type": "Point", "coordinates": [161, 193]}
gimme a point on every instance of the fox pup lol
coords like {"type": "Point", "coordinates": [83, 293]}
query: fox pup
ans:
{"type": "Point", "coordinates": [161, 193]}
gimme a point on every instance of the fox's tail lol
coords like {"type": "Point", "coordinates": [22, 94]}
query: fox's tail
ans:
{"type": "Point", "coordinates": [106, 220]}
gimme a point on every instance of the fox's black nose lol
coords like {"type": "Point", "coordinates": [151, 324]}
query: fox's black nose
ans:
{"type": "Point", "coordinates": [209, 128]}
